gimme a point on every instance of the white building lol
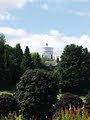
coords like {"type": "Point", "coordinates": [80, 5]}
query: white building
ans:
{"type": "Point", "coordinates": [47, 52]}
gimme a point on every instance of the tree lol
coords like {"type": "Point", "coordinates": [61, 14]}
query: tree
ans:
{"type": "Point", "coordinates": [11, 67]}
{"type": "Point", "coordinates": [37, 93]}
{"type": "Point", "coordinates": [73, 70]}
{"type": "Point", "coordinates": [19, 54]}
{"type": "Point", "coordinates": [37, 62]}
{"type": "Point", "coordinates": [12, 58]}
{"type": "Point", "coordinates": [26, 60]}
{"type": "Point", "coordinates": [2, 67]}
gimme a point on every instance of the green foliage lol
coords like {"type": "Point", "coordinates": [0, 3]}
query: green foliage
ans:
{"type": "Point", "coordinates": [88, 103]}
{"type": "Point", "coordinates": [68, 101]}
{"type": "Point", "coordinates": [37, 92]}
{"type": "Point", "coordinates": [73, 70]}
{"type": "Point", "coordinates": [27, 60]}
{"type": "Point", "coordinates": [19, 54]}
{"type": "Point", "coordinates": [12, 68]}
{"type": "Point", "coordinates": [37, 62]}
{"type": "Point", "coordinates": [7, 104]}
{"type": "Point", "coordinates": [2, 67]}
{"type": "Point", "coordinates": [45, 58]}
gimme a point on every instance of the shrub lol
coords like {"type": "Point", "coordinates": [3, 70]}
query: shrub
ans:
{"type": "Point", "coordinates": [87, 105]}
{"type": "Point", "coordinates": [68, 101]}
{"type": "Point", "coordinates": [7, 104]}
{"type": "Point", "coordinates": [36, 93]}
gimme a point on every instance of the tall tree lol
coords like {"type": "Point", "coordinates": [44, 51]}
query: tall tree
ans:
{"type": "Point", "coordinates": [11, 66]}
{"type": "Point", "coordinates": [27, 60]}
{"type": "Point", "coordinates": [37, 62]}
{"type": "Point", "coordinates": [74, 68]}
{"type": "Point", "coordinates": [2, 68]}
{"type": "Point", "coordinates": [19, 54]}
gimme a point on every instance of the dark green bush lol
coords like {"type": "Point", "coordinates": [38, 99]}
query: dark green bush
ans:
{"type": "Point", "coordinates": [68, 101]}
{"type": "Point", "coordinates": [7, 104]}
{"type": "Point", "coordinates": [37, 92]}
{"type": "Point", "coordinates": [87, 105]}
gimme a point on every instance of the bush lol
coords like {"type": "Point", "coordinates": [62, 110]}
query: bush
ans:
{"type": "Point", "coordinates": [7, 104]}
{"type": "Point", "coordinates": [68, 101]}
{"type": "Point", "coordinates": [87, 105]}
{"type": "Point", "coordinates": [37, 92]}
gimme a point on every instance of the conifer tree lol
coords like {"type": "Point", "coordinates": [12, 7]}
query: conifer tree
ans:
{"type": "Point", "coordinates": [27, 60]}
{"type": "Point", "coordinates": [2, 67]}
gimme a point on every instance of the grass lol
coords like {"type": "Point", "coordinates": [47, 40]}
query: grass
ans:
{"type": "Point", "coordinates": [5, 92]}
{"type": "Point", "coordinates": [9, 91]}
{"type": "Point", "coordinates": [83, 98]}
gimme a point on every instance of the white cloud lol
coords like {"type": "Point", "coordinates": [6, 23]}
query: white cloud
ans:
{"type": "Point", "coordinates": [82, 1]}
{"type": "Point", "coordinates": [7, 4]}
{"type": "Point", "coordinates": [4, 4]}
{"type": "Point", "coordinates": [6, 16]}
{"type": "Point", "coordinates": [32, 1]}
{"type": "Point", "coordinates": [13, 32]}
{"type": "Point", "coordinates": [83, 14]}
{"type": "Point", "coordinates": [44, 6]}
{"type": "Point", "coordinates": [59, 1]}
{"type": "Point", "coordinates": [35, 42]}
{"type": "Point", "coordinates": [80, 13]}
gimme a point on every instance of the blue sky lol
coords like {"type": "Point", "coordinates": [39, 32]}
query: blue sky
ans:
{"type": "Point", "coordinates": [35, 22]}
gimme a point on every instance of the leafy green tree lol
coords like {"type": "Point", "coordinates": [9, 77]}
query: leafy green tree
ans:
{"type": "Point", "coordinates": [12, 57]}
{"type": "Point", "coordinates": [19, 54]}
{"type": "Point", "coordinates": [11, 66]}
{"type": "Point", "coordinates": [7, 64]}
{"type": "Point", "coordinates": [2, 68]}
{"type": "Point", "coordinates": [73, 70]}
{"type": "Point", "coordinates": [26, 60]}
{"type": "Point", "coordinates": [37, 93]}
{"type": "Point", "coordinates": [37, 62]}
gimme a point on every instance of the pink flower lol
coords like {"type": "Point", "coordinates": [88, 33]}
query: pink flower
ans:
{"type": "Point", "coordinates": [70, 107]}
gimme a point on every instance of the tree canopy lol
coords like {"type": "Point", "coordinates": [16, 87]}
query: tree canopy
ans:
{"type": "Point", "coordinates": [26, 60]}
{"type": "Point", "coordinates": [37, 61]}
{"type": "Point", "coordinates": [37, 92]}
{"type": "Point", "coordinates": [74, 68]}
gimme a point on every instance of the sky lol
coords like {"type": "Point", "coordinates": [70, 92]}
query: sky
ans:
{"type": "Point", "coordinates": [34, 23]}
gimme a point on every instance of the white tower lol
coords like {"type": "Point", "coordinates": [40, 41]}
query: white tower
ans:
{"type": "Point", "coordinates": [47, 52]}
